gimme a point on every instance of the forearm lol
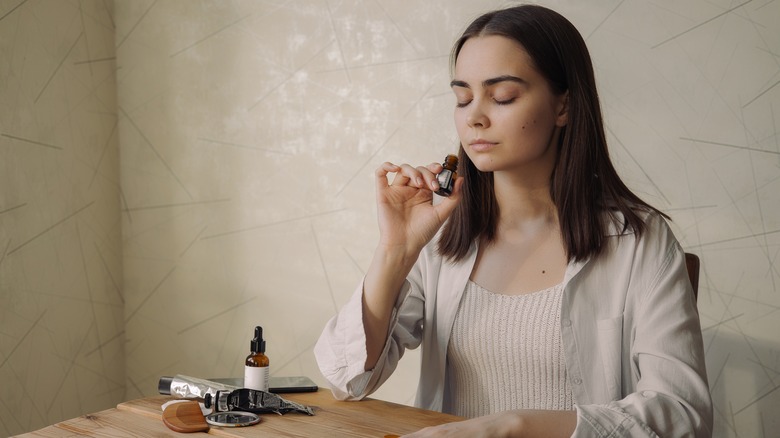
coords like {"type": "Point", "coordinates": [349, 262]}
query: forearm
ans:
{"type": "Point", "coordinates": [508, 424]}
{"type": "Point", "coordinates": [548, 424]}
{"type": "Point", "coordinates": [384, 279]}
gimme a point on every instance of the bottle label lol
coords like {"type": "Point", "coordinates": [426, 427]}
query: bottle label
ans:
{"type": "Point", "coordinates": [445, 180]}
{"type": "Point", "coordinates": [256, 378]}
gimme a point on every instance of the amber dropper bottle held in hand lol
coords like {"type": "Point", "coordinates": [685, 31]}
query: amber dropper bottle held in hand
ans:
{"type": "Point", "coordinates": [446, 178]}
{"type": "Point", "coordinates": [256, 366]}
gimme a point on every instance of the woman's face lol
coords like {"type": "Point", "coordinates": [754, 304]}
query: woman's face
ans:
{"type": "Point", "coordinates": [506, 115]}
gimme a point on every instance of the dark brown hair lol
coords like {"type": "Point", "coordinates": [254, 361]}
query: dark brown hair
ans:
{"type": "Point", "coordinates": [584, 184]}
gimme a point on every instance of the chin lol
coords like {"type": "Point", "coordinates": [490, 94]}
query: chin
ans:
{"type": "Point", "coordinates": [483, 163]}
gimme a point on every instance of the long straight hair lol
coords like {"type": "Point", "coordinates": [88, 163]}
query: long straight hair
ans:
{"type": "Point", "coordinates": [584, 184]}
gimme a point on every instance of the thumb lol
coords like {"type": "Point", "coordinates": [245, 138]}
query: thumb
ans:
{"type": "Point", "coordinates": [448, 204]}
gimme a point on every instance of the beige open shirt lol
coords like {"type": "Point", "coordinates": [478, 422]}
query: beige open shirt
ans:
{"type": "Point", "coordinates": [629, 325]}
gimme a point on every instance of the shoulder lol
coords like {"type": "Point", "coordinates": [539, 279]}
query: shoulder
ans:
{"type": "Point", "coordinates": [633, 265]}
{"type": "Point", "coordinates": [653, 222]}
{"type": "Point", "coordinates": [653, 246]}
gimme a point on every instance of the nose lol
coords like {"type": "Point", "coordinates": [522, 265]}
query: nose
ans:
{"type": "Point", "coordinates": [477, 117]}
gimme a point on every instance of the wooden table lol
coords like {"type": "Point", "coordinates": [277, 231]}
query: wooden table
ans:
{"type": "Point", "coordinates": [367, 418]}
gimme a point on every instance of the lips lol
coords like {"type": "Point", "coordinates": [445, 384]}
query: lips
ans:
{"type": "Point", "coordinates": [481, 145]}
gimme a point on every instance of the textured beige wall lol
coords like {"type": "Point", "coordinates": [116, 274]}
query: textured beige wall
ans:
{"type": "Point", "coordinates": [249, 132]}
{"type": "Point", "coordinates": [61, 304]}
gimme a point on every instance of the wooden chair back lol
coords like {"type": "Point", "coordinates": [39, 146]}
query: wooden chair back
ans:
{"type": "Point", "coordinates": [692, 263]}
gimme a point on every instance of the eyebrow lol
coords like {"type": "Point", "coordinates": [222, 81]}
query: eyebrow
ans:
{"type": "Point", "coordinates": [488, 82]}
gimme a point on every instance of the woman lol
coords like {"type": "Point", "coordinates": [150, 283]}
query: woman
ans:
{"type": "Point", "coordinates": [549, 300]}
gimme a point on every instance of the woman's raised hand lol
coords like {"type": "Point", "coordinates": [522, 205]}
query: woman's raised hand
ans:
{"type": "Point", "coordinates": [407, 218]}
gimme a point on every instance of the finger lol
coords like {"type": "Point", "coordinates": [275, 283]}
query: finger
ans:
{"type": "Point", "coordinates": [382, 171]}
{"type": "Point", "coordinates": [448, 203]}
{"type": "Point", "coordinates": [429, 177]}
{"type": "Point", "coordinates": [457, 188]}
{"type": "Point", "coordinates": [409, 176]}
{"type": "Point", "coordinates": [436, 168]}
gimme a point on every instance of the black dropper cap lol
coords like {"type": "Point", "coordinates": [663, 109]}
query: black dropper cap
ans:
{"type": "Point", "coordinates": [258, 343]}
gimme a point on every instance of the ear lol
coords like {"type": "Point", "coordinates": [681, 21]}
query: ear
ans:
{"type": "Point", "coordinates": [562, 110]}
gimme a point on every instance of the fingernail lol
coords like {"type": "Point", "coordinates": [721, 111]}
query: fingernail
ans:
{"type": "Point", "coordinates": [434, 185]}
{"type": "Point", "coordinates": [419, 181]}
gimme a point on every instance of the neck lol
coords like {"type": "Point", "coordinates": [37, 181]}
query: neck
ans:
{"type": "Point", "coordinates": [523, 200]}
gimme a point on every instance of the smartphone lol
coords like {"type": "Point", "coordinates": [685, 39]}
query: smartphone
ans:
{"type": "Point", "coordinates": [277, 384]}
{"type": "Point", "coordinates": [282, 385]}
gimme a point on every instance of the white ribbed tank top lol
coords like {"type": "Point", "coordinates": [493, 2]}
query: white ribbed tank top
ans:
{"type": "Point", "coordinates": [506, 353]}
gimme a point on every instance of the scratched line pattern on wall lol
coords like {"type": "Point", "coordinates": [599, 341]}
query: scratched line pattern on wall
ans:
{"type": "Point", "coordinates": [248, 134]}
{"type": "Point", "coordinates": [305, 101]}
{"type": "Point", "coordinates": [61, 297]}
